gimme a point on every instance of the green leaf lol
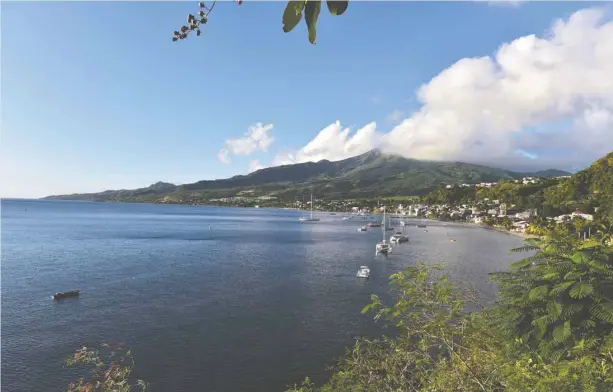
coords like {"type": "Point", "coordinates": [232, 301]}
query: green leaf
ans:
{"type": "Point", "coordinates": [603, 312]}
{"type": "Point", "coordinates": [560, 287]}
{"type": "Point", "coordinates": [311, 13]}
{"type": "Point", "coordinates": [562, 332]}
{"type": "Point", "coordinates": [292, 14]}
{"type": "Point", "coordinates": [522, 263]}
{"type": "Point", "coordinates": [538, 293]}
{"type": "Point", "coordinates": [337, 7]}
{"type": "Point", "coordinates": [579, 257]}
{"type": "Point", "coordinates": [554, 309]}
{"type": "Point", "coordinates": [570, 309]}
{"type": "Point", "coordinates": [581, 290]}
{"type": "Point", "coordinates": [551, 275]}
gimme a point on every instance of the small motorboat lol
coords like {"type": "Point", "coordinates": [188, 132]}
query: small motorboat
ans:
{"type": "Point", "coordinates": [66, 294]}
{"type": "Point", "coordinates": [363, 228]}
{"type": "Point", "coordinates": [307, 219]}
{"type": "Point", "coordinates": [399, 238]}
{"type": "Point", "coordinates": [383, 248]}
{"type": "Point", "coordinates": [363, 272]}
{"type": "Point", "coordinates": [452, 240]}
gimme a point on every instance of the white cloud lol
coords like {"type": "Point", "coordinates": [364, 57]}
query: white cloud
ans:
{"type": "Point", "coordinates": [550, 97]}
{"type": "Point", "coordinates": [222, 155]}
{"type": "Point", "coordinates": [395, 116]}
{"type": "Point", "coordinates": [333, 143]}
{"type": "Point", "coordinates": [255, 165]}
{"type": "Point", "coordinates": [508, 3]}
{"type": "Point", "coordinates": [256, 139]}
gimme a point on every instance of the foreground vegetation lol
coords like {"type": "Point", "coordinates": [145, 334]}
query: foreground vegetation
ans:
{"type": "Point", "coordinates": [551, 330]}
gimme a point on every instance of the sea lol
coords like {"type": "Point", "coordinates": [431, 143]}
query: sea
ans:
{"type": "Point", "coordinates": [206, 298]}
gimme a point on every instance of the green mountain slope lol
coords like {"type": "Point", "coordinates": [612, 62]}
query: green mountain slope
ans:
{"type": "Point", "coordinates": [594, 182]}
{"type": "Point", "coordinates": [367, 175]}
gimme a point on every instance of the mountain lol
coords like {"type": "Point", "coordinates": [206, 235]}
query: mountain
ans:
{"type": "Point", "coordinates": [593, 182]}
{"type": "Point", "coordinates": [368, 175]}
{"type": "Point", "coordinates": [155, 190]}
{"type": "Point", "coordinates": [550, 173]}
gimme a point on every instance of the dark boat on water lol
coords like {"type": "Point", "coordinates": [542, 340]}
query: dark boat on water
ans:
{"type": "Point", "coordinates": [66, 294]}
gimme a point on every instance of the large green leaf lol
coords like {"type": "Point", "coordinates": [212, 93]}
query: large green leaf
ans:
{"type": "Point", "coordinates": [569, 309]}
{"type": "Point", "coordinates": [551, 276]}
{"type": "Point", "coordinates": [562, 332]}
{"type": "Point", "coordinates": [581, 290]}
{"type": "Point", "coordinates": [604, 312]}
{"type": "Point", "coordinates": [560, 287]}
{"type": "Point", "coordinates": [538, 293]}
{"type": "Point", "coordinates": [522, 263]}
{"type": "Point", "coordinates": [311, 13]}
{"type": "Point", "coordinates": [554, 309]}
{"type": "Point", "coordinates": [579, 257]}
{"type": "Point", "coordinates": [292, 14]}
{"type": "Point", "coordinates": [337, 7]}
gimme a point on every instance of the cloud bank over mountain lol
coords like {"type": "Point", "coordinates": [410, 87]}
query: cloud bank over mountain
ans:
{"type": "Point", "coordinates": [538, 100]}
{"type": "Point", "coordinates": [256, 139]}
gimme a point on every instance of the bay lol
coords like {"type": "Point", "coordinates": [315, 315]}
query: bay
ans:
{"type": "Point", "coordinates": [256, 302]}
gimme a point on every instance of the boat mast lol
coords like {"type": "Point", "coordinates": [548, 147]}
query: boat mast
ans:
{"type": "Point", "coordinates": [383, 225]}
{"type": "Point", "coordinates": [311, 205]}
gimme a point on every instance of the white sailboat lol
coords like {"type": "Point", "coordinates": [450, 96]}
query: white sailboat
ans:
{"type": "Point", "coordinates": [310, 218]}
{"type": "Point", "coordinates": [383, 247]}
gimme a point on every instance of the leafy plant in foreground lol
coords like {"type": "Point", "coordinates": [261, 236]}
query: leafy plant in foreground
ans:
{"type": "Point", "coordinates": [561, 298]}
{"type": "Point", "coordinates": [109, 370]}
{"type": "Point", "coordinates": [435, 346]}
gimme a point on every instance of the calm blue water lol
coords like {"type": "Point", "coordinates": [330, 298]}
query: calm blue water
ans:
{"type": "Point", "coordinates": [255, 304]}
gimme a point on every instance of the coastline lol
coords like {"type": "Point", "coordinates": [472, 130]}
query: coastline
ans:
{"type": "Point", "coordinates": [490, 228]}
{"type": "Point", "coordinates": [501, 230]}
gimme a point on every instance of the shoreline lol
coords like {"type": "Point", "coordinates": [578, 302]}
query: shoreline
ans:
{"type": "Point", "coordinates": [505, 231]}
{"type": "Point", "coordinates": [490, 228]}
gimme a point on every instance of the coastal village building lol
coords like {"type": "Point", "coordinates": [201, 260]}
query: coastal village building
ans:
{"type": "Point", "coordinates": [577, 213]}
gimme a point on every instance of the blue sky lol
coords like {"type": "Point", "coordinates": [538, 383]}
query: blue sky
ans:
{"type": "Point", "coordinates": [95, 95]}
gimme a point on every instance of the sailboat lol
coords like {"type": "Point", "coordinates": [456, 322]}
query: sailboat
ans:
{"type": "Point", "coordinates": [383, 247]}
{"type": "Point", "coordinates": [310, 218]}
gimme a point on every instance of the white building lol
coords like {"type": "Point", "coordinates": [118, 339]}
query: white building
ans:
{"type": "Point", "coordinates": [577, 213]}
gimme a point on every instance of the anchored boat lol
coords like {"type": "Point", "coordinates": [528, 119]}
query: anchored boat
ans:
{"type": "Point", "coordinates": [310, 218]}
{"type": "Point", "coordinates": [66, 294]}
{"type": "Point", "coordinates": [383, 247]}
{"type": "Point", "coordinates": [363, 272]}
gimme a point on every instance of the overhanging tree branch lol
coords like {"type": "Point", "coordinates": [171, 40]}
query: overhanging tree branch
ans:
{"type": "Point", "coordinates": [290, 19]}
